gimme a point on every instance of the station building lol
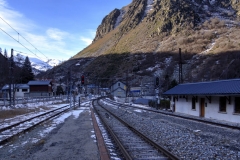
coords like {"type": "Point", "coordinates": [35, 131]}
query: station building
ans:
{"type": "Point", "coordinates": [214, 99]}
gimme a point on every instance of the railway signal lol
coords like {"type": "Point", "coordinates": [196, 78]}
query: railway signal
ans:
{"type": "Point", "coordinates": [157, 81]}
{"type": "Point", "coordinates": [82, 79]}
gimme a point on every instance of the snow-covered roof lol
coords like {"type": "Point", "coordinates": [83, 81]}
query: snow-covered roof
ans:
{"type": "Point", "coordinates": [17, 86]}
{"type": "Point", "coordinates": [39, 83]}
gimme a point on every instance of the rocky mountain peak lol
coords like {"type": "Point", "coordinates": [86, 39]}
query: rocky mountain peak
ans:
{"type": "Point", "coordinates": [108, 24]}
{"type": "Point", "coordinates": [169, 15]}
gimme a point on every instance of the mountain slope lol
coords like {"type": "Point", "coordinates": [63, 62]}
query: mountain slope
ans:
{"type": "Point", "coordinates": [183, 21]}
{"type": "Point", "coordinates": [144, 37]}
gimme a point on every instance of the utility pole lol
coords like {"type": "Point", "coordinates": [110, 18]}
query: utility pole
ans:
{"type": "Point", "coordinates": [70, 79]}
{"type": "Point", "coordinates": [180, 67]}
{"type": "Point", "coordinates": [10, 77]}
{"type": "Point", "coordinates": [127, 87]}
{"type": "Point", "coordinates": [68, 85]}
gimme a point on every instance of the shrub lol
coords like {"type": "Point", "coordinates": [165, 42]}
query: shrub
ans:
{"type": "Point", "coordinates": [152, 103]}
{"type": "Point", "coordinates": [208, 35]}
{"type": "Point", "coordinates": [182, 41]}
{"type": "Point", "coordinates": [165, 104]}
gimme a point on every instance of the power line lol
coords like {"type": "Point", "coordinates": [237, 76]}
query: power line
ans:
{"type": "Point", "coordinates": [23, 38]}
{"type": "Point", "coordinates": [23, 46]}
{"type": "Point", "coordinates": [44, 63]}
{"type": "Point", "coordinates": [19, 43]}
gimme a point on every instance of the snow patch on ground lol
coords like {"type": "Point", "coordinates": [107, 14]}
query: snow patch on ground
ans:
{"type": "Point", "coordinates": [33, 104]}
{"type": "Point", "coordinates": [152, 68]}
{"type": "Point", "coordinates": [209, 48]}
{"type": "Point", "coordinates": [212, 2]}
{"type": "Point", "coordinates": [138, 110]}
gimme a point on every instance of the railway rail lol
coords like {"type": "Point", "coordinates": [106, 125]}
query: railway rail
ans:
{"type": "Point", "coordinates": [175, 115]}
{"type": "Point", "coordinates": [10, 132]}
{"type": "Point", "coordinates": [132, 143]}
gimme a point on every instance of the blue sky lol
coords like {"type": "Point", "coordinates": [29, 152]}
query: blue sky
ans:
{"type": "Point", "coordinates": [58, 29]}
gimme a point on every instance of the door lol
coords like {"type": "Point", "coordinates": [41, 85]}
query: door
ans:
{"type": "Point", "coordinates": [202, 107]}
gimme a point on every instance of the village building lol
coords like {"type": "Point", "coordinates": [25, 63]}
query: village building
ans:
{"type": "Point", "coordinates": [215, 99]}
{"type": "Point", "coordinates": [135, 91]}
{"type": "Point", "coordinates": [118, 89]}
{"type": "Point", "coordinates": [40, 88]}
{"type": "Point", "coordinates": [18, 90]}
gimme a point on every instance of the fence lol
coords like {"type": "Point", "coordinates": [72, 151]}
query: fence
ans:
{"type": "Point", "coordinates": [6, 102]}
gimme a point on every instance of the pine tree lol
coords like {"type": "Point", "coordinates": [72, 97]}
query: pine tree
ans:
{"type": "Point", "coordinates": [4, 68]}
{"type": "Point", "coordinates": [27, 74]}
{"type": "Point", "coordinates": [5, 53]}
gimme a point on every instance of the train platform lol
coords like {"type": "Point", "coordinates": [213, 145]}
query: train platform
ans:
{"type": "Point", "coordinates": [73, 139]}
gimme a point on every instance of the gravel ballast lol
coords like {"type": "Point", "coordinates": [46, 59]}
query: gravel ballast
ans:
{"type": "Point", "coordinates": [185, 138]}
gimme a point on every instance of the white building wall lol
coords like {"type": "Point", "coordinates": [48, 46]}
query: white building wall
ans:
{"type": "Point", "coordinates": [184, 106]}
{"type": "Point", "coordinates": [20, 93]}
{"type": "Point", "coordinates": [211, 109]}
{"type": "Point", "coordinates": [119, 93]}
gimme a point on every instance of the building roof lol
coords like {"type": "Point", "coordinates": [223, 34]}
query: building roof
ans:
{"type": "Point", "coordinates": [39, 83]}
{"type": "Point", "coordinates": [17, 86]}
{"type": "Point", "coordinates": [222, 87]}
{"type": "Point", "coordinates": [118, 81]}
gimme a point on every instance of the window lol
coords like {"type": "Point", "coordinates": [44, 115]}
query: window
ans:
{"type": "Point", "coordinates": [193, 103]}
{"type": "Point", "coordinates": [24, 90]}
{"type": "Point", "coordinates": [237, 105]}
{"type": "Point", "coordinates": [222, 104]}
{"type": "Point", "coordinates": [118, 84]}
{"type": "Point", "coordinates": [17, 90]}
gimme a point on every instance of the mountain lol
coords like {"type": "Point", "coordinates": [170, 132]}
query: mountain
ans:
{"type": "Point", "coordinates": [38, 65]}
{"type": "Point", "coordinates": [144, 39]}
{"type": "Point", "coordinates": [166, 25]}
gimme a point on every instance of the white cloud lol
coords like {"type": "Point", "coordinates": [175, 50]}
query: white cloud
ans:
{"type": "Point", "coordinates": [52, 42]}
{"type": "Point", "coordinates": [14, 19]}
{"type": "Point", "coordinates": [3, 3]}
{"type": "Point", "coordinates": [56, 34]}
{"type": "Point", "coordinates": [86, 40]}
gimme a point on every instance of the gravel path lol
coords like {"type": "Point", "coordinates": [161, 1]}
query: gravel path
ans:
{"type": "Point", "coordinates": [72, 140]}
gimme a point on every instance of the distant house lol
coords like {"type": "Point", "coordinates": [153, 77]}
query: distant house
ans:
{"type": "Point", "coordinates": [118, 89]}
{"type": "Point", "coordinates": [19, 89]}
{"type": "Point", "coordinates": [40, 88]}
{"type": "Point", "coordinates": [135, 91]}
{"type": "Point", "coordinates": [216, 99]}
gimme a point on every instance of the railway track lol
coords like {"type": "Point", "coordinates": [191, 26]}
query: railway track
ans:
{"type": "Point", "coordinates": [10, 132]}
{"type": "Point", "coordinates": [174, 115]}
{"type": "Point", "coordinates": [132, 143]}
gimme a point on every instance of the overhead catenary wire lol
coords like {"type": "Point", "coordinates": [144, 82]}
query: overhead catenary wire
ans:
{"type": "Point", "coordinates": [24, 47]}
{"type": "Point", "coordinates": [19, 43]}
{"type": "Point", "coordinates": [44, 63]}
{"type": "Point", "coordinates": [23, 37]}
